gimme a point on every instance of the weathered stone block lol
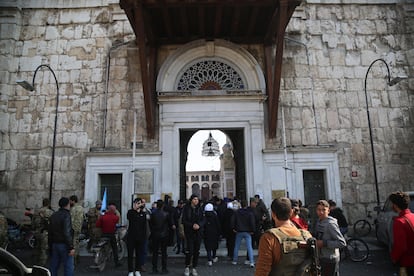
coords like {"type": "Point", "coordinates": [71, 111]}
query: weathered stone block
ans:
{"type": "Point", "coordinates": [353, 59]}
{"type": "Point", "coordinates": [74, 16]}
{"type": "Point", "coordinates": [52, 33]}
{"type": "Point", "coordinates": [295, 137]}
{"type": "Point", "coordinates": [332, 118]}
{"type": "Point", "coordinates": [344, 118]}
{"type": "Point", "coordinates": [309, 136]}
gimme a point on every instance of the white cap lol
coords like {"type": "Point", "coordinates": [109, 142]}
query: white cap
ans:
{"type": "Point", "coordinates": [230, 205]}
{"type": "Point", "coordinates": [209, 207]}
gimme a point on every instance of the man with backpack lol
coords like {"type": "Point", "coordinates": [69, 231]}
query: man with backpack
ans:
{"type": "Point", "coordinates": [283, 250]}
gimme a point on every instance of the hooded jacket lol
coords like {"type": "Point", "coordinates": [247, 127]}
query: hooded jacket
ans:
{"type": "Point", "coordinates": [327, 230]}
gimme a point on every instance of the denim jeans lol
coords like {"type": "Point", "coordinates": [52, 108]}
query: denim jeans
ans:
{"type": "Point", "coordinates": [60, 254]}
{"type": "Point", "coordinates": [248, 239]}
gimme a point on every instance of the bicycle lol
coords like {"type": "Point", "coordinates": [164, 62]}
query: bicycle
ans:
{"type": "Point", "coordinates": [103, 250]}
{"type": "Point", "coordinates": [356, 249]}
{"type": "Point", "coordinates": [362, 227]}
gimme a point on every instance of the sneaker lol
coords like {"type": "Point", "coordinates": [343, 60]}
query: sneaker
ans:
{"type": "Point", "coordinates": [233, 263]}
{"type": "Point", "coordinates": [131, 274]}
{"type": "Point", "coordinates": [246, 262]}
{"type": "Point", "coordinates": [215, 259]}
{"type": "Point", "coordinates": [209, 263]}
{"type": "Point", "coordinates": [137, 273]}
{"type": "Point", "coordinates": [252, 265]}
{"type": "Point", "coordinates": [187, 271]}
{"type": "Point", "coordinates": [194, 272]}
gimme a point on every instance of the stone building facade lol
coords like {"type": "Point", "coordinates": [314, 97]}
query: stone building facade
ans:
{"type": "Point", "coordinates": [322, 130]}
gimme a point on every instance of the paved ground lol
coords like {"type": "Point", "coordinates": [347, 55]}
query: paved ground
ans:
{"type": "Point", "coordinates": [378, 264]}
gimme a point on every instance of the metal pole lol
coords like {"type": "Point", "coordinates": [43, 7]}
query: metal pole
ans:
{"type": "Point", "coordinates": [390, 83]}
{"type": "Point", "coordinates": [52, 166]}
{"type": "Point", "coordinates": [285, 151]}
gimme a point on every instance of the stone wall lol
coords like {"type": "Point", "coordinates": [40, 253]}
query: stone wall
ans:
{"type": "Point", "coordinates": [91, 48]}
{"type": "Point", "coordinates": [81, 44]}
{"type": "Point", "coordinates": [326, 58]}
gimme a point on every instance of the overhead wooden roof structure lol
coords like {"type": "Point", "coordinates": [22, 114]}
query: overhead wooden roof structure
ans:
{"type": "Point", "coordinates": [163, 22]}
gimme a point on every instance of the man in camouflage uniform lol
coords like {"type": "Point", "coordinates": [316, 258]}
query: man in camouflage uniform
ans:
{"type": "Point", "coordinates": [3, 230]}
{"type": "Point", "coordinates": [77, 216]}
{"type": "Point", "coordinates": [41, 225]}
{"type": "Point", "coordinates": [94, 232]}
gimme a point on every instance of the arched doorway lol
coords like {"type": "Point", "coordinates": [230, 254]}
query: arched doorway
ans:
{"type": "Point", "coordinates": [212, 85]}
{"type": "Point", "coordinates": [236, 136]}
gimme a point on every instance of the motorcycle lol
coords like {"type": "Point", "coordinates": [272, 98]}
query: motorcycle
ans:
{"type": "Point", "coordinates": [84, 234]}
{"type": "Point", "coordinates": [102, 251]}
{"type": "Point", "coordinates": [20, 235]}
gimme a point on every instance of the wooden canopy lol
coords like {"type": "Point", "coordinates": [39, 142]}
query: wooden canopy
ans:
{"type": "Point", "coordinates": [163, 22]}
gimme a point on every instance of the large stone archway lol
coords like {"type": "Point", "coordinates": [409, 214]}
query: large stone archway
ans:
{"type": "Point", "coordinates": [237, 112]}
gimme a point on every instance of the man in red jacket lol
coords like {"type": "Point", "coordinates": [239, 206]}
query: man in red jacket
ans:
{"type": "Point", "coordinates": [402, 251]}
{"type": "Point", "coordinates": [107, 223]}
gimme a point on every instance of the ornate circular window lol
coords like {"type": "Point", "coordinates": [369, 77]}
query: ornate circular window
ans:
{"type": "Point", "coordinates": [210, 75]}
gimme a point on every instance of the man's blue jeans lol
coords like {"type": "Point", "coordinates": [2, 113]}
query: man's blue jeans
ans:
{"type": "Point", "coordinates": [60, 254]}
{"type": "Point", "coordinates": [248, 239]}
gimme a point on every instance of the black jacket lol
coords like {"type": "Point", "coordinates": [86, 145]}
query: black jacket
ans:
{"type": "Point", "coordinates": [160, 224]}
{"type": "Point", "coordinates": [137, 228]}
{"type": "Point", "coordinates": [190, 216]}
{"type": "Point", "coordinates": [60, 228]}
{"type": "Point", "coordinates": [227, 223]}
{"type": "Point", "coordinates": [243, 221]}
{"type": "Point", "coordinates": [212, 230]}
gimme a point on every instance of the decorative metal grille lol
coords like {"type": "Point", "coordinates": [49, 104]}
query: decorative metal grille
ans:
{"type": "Point", "coordinates": [210, 75]}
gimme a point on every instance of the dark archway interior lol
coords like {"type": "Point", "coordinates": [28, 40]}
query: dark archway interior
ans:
{"type": "Point", "coordinates": [237, 138]}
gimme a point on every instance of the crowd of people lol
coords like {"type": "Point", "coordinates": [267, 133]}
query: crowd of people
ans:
{"type": "Point", "coordinates": [192, 223]}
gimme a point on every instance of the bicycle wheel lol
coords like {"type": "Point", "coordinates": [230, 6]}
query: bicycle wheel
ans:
{"type": "Point", "coordinates": [358, 250]}
{"type": "Point", "coordinates": [31, 240]}
{"type": "Point", "coordinates": [362, 228]}
{"type": "Point", "coordinates": [122, 250]}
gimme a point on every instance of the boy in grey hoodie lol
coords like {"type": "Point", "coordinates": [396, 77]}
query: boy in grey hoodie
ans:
{"type": "Point", "coordinates": [329, 240]}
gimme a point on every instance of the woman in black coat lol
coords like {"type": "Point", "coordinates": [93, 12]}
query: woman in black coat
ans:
{"type": "Point", "coordinates": [212, 231]}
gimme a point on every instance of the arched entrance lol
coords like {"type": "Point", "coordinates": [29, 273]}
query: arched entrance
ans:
{"type": "Point", "coordinates": [237, 138]}
{"type": "Point", "coordinates": [211, 85]}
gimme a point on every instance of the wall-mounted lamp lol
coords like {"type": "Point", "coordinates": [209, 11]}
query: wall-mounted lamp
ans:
{"type": "Point", "coordinates": [25, 85]}
{"type": "Point", "coordinates": [30, 87]}
{"type": "Point", "coordinates": [390, 82]}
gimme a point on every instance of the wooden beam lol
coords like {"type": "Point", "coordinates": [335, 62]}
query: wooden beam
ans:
{"type": "Point", "coordinates": [146, 77]}
{"type": "Point", "coordinates": [217, 22]}
{"type": "Point", "coordinates": [280, 32]}
{"type": "Point", "coordinates": [167, 21]}
{"type": "Point", "coordinates": [201, 21]}
{"type": "Point", "coordinates": [129, 11]}
{"type": "Point", "coordinates": [184, 22]}
{"type": "Point", "coordinates": [209, 3]}
{"type": "Point", "coordinates": [236, 21]}
{"type": "Point", "coordinates": [252, 21]}
{"type": "Point", "coordinates": [268, 55]}
{"type": "Point", "coordinates": [272, 27]}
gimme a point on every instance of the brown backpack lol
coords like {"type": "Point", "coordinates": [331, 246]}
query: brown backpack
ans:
{"type": "Point", "coordinates": [296, 257]}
